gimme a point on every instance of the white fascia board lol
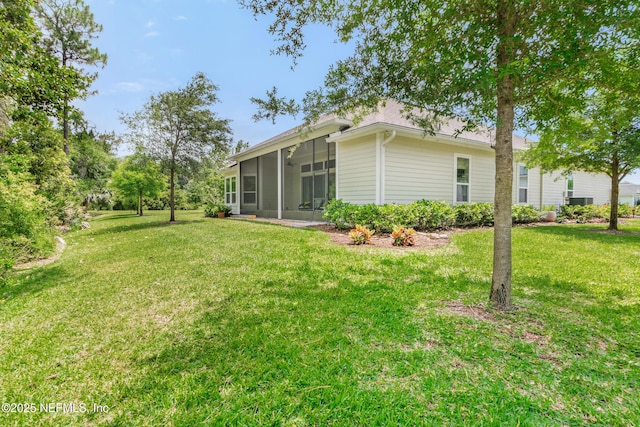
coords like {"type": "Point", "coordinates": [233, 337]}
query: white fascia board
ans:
{"type": "Point", "coordinates": [230, 170]}
{"type": "Point", "coordinates": [289, 138]}
{"type": "Point", "coordinates": [407, 132]}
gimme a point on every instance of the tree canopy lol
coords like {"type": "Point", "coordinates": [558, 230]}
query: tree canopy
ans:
{"type": "Point", "coordinates": [137, 177]}
{"type": "Point", "coordinates": [31, 79]}
{"type": "Point", "coordinates": [179, 129]}
{"type": "Point", "coordinates": [486, 62]}
{"type": "Point", "coordinates": [602, 137]}
{"type": "Point", "coordinates": [69, 27]}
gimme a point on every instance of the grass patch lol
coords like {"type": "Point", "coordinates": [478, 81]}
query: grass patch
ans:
{"type": "Point", "coordinates": [222, 322]}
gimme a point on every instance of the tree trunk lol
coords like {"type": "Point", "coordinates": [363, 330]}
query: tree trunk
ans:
{"type": "Point", "coordinates": [140, 202]}
{"type": "Point", "coordinates": [171, 196]}
{"type": "Point", "coordinates": [65, 126]}
{"type": "Point", "coordinates": [500, 295]}
{"type": "Point", "coordinates": [615, 191]}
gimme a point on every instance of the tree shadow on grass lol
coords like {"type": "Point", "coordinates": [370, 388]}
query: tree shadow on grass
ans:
{"type": "Point", "coordinates": [141, 226]}
{"type": "Point", "coordinates": [599, 235]}
{"type": "Point", "coordinates": [104, 217]}
{"type": "Point", "coordinates": [280, 351]}
{"type": "Point", "coordinates": [30, 282]}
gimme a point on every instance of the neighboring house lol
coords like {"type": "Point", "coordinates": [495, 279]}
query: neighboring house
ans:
{"type": "Point", "coordinates": [385, 158]}
{"type": "Point", "coordinates": [629, 194]}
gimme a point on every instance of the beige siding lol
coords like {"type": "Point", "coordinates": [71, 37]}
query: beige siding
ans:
{"type": "Point", "coordinates": [554, 189]}
{"type": "Point", "coordinates": [483, 175]}
{"type": "Point", "coordinates": [356, 174]}
{"type": "Point", "coordinates": [585, 184]}
{"type": "Point", "coordinates": [418, 169]}
{"type": "Point", "coordinates": [592, 185]}
{"type": "Point", "coordinates": [533, 193]}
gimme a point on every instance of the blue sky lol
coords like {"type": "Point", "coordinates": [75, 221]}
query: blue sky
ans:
{"type": "Point", "coordinates": [158, 45]}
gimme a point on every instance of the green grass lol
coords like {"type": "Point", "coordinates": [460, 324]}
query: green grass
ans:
{"type": "Point", "coordinates": [238, 323]}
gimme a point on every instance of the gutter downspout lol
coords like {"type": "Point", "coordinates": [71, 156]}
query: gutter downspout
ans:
{"type": "Point", "coordinates": [383, 165]}
{"type": "Point", "coordinates": [541, 190]}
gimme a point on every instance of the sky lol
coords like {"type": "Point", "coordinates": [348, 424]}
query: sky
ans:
{"type": "Point", "coordinates": [159, 45]}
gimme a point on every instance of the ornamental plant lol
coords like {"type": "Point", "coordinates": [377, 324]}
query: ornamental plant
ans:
{"type": "Point", "coordinates": [212, 209]}
{"type": "Point", "coordinates": [403, 236]}
{"type": "Point", "coordinates": [361, 235]}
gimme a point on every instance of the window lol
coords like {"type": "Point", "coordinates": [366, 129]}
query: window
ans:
{"type": "Point", "coordinates": [249, 192]}
{"type": "Point", "coordinates": [523, 184]}
{"type": "Point", "coordinates": [230, 190]}
{"type": "Point", "coordinates": [463, 170]}
{"type": "Point", "coordinates": [570, 185]}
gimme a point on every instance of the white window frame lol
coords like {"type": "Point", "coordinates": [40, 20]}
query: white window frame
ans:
{"type": "Point", "coordinates": [570, 178]}
{"type": "Point", "coordinates": [457, 156]}
{"type": "Point", "coordinates": [230, 196]}
{"type": "Point", "coordinates": [520, 187]}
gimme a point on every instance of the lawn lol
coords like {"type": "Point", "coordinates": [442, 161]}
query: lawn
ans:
{"type": "Point", "coordinates": [239, 323]}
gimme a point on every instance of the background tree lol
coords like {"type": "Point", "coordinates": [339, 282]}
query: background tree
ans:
{"type": "Point", "coordinates": [483, 61]}
{"type": "Point", "coordinates": [31, 79]}
{"type": "Point", "coordinates": [179, 129]}
{"type": "Point", "coordinates": [603, 136]}
{"type": "Point", "coordinates": [241, 145]}
{"type": "Point", "coordinates": [137, 177]}
{"type": "Point", "coordinates": [92, 159]}
{"type": "Point", "coordinates": [69, 27]}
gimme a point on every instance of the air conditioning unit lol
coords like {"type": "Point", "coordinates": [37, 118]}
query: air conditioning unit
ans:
{"type": "Point", "coordinates": [581, 201]}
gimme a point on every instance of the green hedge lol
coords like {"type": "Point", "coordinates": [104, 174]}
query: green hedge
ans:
{"type": "Point", "coordinates": [426, 215]}
{"type": "Point", "coordinates": [586, 213]}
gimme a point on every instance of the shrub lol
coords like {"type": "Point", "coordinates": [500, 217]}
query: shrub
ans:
{"type": "Point", "coordinates": [432, 215]}
{"type": "Point", "coordinates": [391, 215]}
{"type": "Point", "coordinates": [361, 235]}
{"type": "Point", "coordinates": [212, 209]}
{"type": "Point", "coordinates": [474, 214]}
{"type": "Point", "coordinates": [26, 229]}
{"type": "Point", "coordinates": [524, 214]}
{"type": "Point", "coordinates": [403, 236]}
{"type": "Point", "coordinates": [342, 214]}
{"type": "Point", "coordinates": [604, 211]}
{"type": "Point", "coordinates": [578, 213]}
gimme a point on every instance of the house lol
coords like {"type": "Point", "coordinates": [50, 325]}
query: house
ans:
{"type": "Point", "coordinates": [629, 194]}
{"type": "Point", "coordinates": [385, 158]}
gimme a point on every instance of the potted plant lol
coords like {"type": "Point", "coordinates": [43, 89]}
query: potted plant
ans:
{"type": "Point", "coordinates": [219, 210]}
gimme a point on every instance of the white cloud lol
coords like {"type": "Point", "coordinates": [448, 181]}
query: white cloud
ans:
{"type": "Point", "coordinates": [152, 34]}
{"type": "Point", "coordinates": [129, 87]}
{"type": "Point", "coordinates": [181, 18]}
{"type": "Point", "coordinates": [150, 24]}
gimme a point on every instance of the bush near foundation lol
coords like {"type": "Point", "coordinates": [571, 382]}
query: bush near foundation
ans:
{"type": "Point", "coordinates": [423, 215]}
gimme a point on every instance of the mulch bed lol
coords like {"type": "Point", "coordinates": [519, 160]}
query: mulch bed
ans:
{"type": "Point", "coordinates": [384, 240]}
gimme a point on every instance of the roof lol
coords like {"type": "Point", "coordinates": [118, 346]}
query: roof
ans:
{"type": "Point", "coordinates": [393, 115]}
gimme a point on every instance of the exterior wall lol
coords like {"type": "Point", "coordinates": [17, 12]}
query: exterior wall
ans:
{"type": "Point", "coordinates": [356, 171]}
{"type": "Point", "coordinates": [592, 185]}
{"type": "Point", "coordinates": [554, 189]}
{"type": "Point", "coordinates": [534, 195]}
{"type": "Point", "coordinates": [422, 169]}
{"type": "Point", "coordinates": [630, 193]}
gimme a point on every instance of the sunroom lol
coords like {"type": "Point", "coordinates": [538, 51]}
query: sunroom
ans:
{"type": "Point", "coordinates": [292, 176]}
